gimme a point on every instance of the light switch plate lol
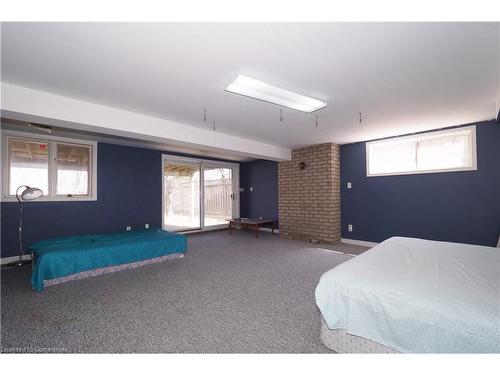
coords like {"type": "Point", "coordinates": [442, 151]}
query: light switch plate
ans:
{"type": "Point", "coordinates": [129, 228]}
{"type": "Point", "coordinates": [146, 226]}
{"type": "Point", "coordinates": [349, 185]}
{"type": "Point", "coordinates": [349, 228]}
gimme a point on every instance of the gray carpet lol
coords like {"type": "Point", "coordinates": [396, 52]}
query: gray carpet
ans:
{"type": "Point", "coordinates": [229, 294]}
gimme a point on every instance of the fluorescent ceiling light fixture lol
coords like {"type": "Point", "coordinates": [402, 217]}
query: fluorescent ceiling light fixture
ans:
{"type": "Point", "coordinates": [263, 91]}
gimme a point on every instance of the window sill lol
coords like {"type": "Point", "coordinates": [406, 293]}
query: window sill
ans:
{"type": "Point", "coordinates": [465, 169]}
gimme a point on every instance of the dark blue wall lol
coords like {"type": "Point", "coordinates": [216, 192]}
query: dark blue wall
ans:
{"type": "Point", "coordinates": [453, 206]}
{"type": "Point", "coordinates": [128, 192]}
{"type": "Point", "coordinates": [262, 175]}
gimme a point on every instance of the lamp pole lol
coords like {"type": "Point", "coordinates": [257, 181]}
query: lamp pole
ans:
{"type": "Point", "coordinates": [20, 229]}
{"type": "Point", "coordinates": [28, 193]}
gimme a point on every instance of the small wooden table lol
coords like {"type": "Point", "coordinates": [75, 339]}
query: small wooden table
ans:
{"type": "Point", "coordinates": [252, 223]}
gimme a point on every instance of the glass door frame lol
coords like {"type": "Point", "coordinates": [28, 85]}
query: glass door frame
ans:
{"type": "Point", "coordinates": [203, 164]}
{"type": "Point", "coordinates": [167, 159]}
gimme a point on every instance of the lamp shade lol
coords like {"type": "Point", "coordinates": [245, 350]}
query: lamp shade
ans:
{"type": "Point", "coordinates": [31, 193]}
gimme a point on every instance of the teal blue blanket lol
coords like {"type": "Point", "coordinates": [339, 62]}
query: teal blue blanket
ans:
{"type": "Point", "coordinates": [66, 256]}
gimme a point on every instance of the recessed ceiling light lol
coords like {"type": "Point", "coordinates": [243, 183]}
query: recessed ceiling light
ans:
{"type": "Point", "coordinates": [263, 91]}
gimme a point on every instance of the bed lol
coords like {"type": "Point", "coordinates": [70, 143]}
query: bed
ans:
{"type": "Point", "coordinates": [70, 258]}
{"type": "Point", "coordinates": [411, 295]}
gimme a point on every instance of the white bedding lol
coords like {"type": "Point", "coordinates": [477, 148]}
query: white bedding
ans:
{"type": "Point", "coordinates": [417, 296]}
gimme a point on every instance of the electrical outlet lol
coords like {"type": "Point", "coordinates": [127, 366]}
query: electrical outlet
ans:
{"type": "Point", "coordinates": [242, 190]}
{"type": "Point", "coordinates": [146, 226]}
{"type": "Point", "coordinates": [349, 227]}
{"type": "Point", "coordinates": [129, 228]}
{"type": "Point", "coordinates": [349, 185]}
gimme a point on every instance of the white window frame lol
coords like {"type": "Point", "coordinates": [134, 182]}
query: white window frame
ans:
{"type": "Point", "coordinates": [203, 163]}
{"type": "Point", "coordinates": [52, 141]}
{"type": "Point", "coordinates": [427, 135]}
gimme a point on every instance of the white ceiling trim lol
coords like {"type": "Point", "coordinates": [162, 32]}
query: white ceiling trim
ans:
{"type": "Point", "coordinates": [24, 104]}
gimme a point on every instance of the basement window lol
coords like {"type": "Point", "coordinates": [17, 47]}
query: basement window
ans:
{"type": "Point", "coordinates": [64, 169]}
{"type": "Point", "coordinates": [441, 151]}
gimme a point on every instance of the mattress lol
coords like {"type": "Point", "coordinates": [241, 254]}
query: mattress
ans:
{"type": "Point", "coordinates": [341, 342]}
{"type": "Point", "coordinates": [75, 257]}
{"type": "Point", "coordinates": [417, 296]}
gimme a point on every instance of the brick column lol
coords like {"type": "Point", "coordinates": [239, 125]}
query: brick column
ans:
{"type": "Point", "coordinates": [309, 198]}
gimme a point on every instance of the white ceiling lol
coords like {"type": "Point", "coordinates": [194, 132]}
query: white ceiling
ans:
{"type": "Point", "coordinates": [403, 77]}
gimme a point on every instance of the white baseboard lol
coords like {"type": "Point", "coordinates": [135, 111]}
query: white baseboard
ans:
{"type": "Point", "coordinates": [358, 242]}
{"type": "Point", "coordinates": [12, 259]}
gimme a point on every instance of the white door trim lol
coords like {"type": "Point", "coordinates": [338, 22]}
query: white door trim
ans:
{"type": "Point", "coordinates": [203, 163]}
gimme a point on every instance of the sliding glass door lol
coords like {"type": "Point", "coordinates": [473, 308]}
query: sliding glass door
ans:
{"type": "Point", "coordinates": [198, 194]}
{"type": "Point", "coordinates": [181, 196]}
{"type": "Point", "coordinates": [218, 195]}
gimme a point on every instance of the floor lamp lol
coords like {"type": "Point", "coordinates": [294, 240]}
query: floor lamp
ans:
{"type": "Point", "coordinates": [28, 194]}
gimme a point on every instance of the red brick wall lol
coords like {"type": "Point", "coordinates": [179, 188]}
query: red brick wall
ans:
{"type": "Point", "coordinates": [309, 199]}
